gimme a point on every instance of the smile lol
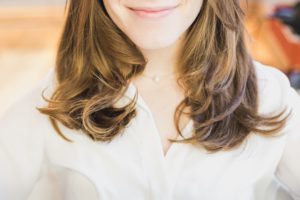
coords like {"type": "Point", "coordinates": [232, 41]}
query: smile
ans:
{"type": "Point", "coordinates": [152, 12]}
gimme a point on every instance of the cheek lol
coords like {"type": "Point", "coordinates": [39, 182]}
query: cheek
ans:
{"type": "Point", "coordinates": [113, 9]}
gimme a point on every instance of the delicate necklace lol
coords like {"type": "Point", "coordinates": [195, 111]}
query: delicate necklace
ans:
{"type": "Point", "coordinates": [157, 78]}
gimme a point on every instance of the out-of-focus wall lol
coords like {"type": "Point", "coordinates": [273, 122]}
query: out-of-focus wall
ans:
{"type": "Point", "coordinates": [273, 2]}
{"type": "Point", "coordinates": [29, 32]}
{"type": "Point", "coordinates": [31, 3]}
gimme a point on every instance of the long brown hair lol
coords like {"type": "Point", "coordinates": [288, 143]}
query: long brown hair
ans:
{"type": "Point", "coordinates": [96, 61]}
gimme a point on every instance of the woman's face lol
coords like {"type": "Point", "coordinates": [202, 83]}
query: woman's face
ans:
{"type": "Point", "coordinates": [162, 25]}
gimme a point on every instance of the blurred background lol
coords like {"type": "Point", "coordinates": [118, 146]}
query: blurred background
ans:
{"type": "Point", "coordinates": [30, 30]}
{"type": "Point", "coordinates": [29, 33]}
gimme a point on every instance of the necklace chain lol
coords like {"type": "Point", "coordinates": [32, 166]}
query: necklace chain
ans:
{"type": "Point", "coordinates": [157, 78]}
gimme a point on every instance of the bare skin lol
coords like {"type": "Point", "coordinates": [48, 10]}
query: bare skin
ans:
{"type": "Point", "coordinates": [162, 99]}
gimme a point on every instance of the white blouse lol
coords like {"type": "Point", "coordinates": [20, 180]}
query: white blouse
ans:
{"type": "Point", "coordinates": [37, 164]}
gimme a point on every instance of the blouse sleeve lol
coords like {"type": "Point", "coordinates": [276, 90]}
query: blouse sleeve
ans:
{"type": "Point", "coordinates": [288, 170]}
{"type": "Point", "coordinates": [21, 146]}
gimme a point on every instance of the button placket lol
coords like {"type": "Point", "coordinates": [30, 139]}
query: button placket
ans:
{"type": "Point", "coordinates": [176, 157]}
{"type": "Point", "coordinates": [162, 170]}
{"type": "Point", "coordinates": [152, 158]}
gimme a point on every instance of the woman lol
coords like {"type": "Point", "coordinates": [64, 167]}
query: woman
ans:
{"type": "Point", "coordinates": [153, 100]}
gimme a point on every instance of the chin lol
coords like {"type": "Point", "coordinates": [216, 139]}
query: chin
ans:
{"type": "Point", "coordinates": [152, 46]}
{"type": "Point", "coordinates": [155, 43]}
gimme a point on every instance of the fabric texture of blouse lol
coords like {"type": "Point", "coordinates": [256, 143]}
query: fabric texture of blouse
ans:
{"type": "Point", "coordinates": [37, 164]}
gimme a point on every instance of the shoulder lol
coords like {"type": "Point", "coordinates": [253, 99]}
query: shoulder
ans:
{"type": "Point", "coordinates": [267, 75]}
{"type": "Point", "coordinates": [275, 94]}
{"type": "Point", "coordinates": [22, 142]}
{"type": "Point", "coordinates": [22, 119]}
{"type": "Point", "coordinates": [273, 88]}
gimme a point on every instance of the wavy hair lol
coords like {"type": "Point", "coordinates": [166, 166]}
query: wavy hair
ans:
{"type": "Point", "coordinates": [96, 61]}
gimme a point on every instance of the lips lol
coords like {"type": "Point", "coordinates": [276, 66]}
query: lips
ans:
{"type": "Point", "coordinates": [148, 12]}
{"type": "Point", "coordinates": [147, 9]}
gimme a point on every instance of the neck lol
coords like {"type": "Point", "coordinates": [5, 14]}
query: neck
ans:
{"type": "Point", "coordinates": [161, 61]}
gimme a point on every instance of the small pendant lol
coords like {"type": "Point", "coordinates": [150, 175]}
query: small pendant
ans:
{"type": "Point", "coordinates": [156, 79]}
